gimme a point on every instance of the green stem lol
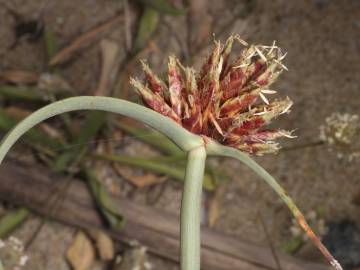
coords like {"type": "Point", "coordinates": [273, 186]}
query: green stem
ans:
{"type": "Point", "coordinates": [181, 137]}
{"type": "Point", "coordinates": [11, 220]}
{"type": "Point", "coordinates": [216, 149]}
{"type": "Point", "coordinates": [146, 163]}
{"type": "Point", "coordinates": [104, 200]}
{"type": "Point", "coordinates": [190, 209]}
{"type": "Point", "coordinates": [188, 142]}
{"type": "Point", "coordinates": [21, 93]}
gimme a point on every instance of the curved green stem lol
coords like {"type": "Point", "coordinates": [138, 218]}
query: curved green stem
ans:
{"type": "Point", "coordinates": [181, 137]}
{"type": "Point", "coordinates": [216, 149]}
{"type": "Point", "coordinates": [190, 209]}
{"type": "Point", "coordinates": [188, 142]}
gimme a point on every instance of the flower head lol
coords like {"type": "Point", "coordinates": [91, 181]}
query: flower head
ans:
{"type": "Point", "coordinates": [226, 100]}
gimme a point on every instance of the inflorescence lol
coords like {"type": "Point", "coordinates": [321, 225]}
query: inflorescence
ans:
{"type": "Point", "coordinates": [226, 101]}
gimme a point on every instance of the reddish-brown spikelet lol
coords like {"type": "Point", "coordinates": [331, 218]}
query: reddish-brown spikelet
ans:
{"type": "Point", "coordinates": [224, 101]}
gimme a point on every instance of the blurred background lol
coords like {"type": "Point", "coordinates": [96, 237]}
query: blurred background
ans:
{"type": "Point", "coordinates": [85, 190]}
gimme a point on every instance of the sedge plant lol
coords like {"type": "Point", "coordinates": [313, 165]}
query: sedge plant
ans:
{"type": "Point", "coordinates": [219, 111]}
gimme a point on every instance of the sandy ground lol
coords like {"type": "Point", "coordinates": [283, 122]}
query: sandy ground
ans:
{"type": "Point", "coordinates": [322, 41]}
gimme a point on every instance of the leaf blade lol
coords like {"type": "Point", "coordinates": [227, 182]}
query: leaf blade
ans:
{"type": "Point", "coordinates": [164, 6]}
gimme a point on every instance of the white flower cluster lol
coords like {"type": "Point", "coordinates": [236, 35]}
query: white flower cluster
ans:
{"type": "Point", "coordinates": [341, 133]}
{"type": "Point", "coordinates": [12, 252]}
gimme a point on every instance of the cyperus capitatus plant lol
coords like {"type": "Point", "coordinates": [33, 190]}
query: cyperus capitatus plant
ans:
{"type": "Point", "coordinates": [222, 101]}
{"type": "Point", "coordinates": [219, 111]}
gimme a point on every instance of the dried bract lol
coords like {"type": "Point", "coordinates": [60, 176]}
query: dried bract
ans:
{"type": "Point", "coordinates": [227, 100]}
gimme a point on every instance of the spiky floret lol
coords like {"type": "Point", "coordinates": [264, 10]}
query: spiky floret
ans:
{"type": "Point", "coordinates": [224, 101]}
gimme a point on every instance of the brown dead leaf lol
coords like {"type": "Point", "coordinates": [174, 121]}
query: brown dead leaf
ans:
{"type": "Point", "coordinates": [140, 181]}
{"type": "Point", "coordinates": [50, 84]}
{"type": "Point", "coordinates": [109, 53]}
{"type": "Point", "coordinates": [84, 39]}
{"type": "Point", "coordinates": [81, 253]}
{"type": "Point", "coordinates": [17, 112]}
{"type": "Point", "coordinates": [104, 244]}
{"type": "Point", "coordinates": [128, 21]}
{"type": "Point", "coordinates": [147, 180]}
{"type": "Point", "coordinates": [18, 77]}
{"type": "Point", "coordinates": [214, 206]}
{"type": "Point", "coordinates": [199, 23]}
{"type": "Point", "coordinates": [51, 131]}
